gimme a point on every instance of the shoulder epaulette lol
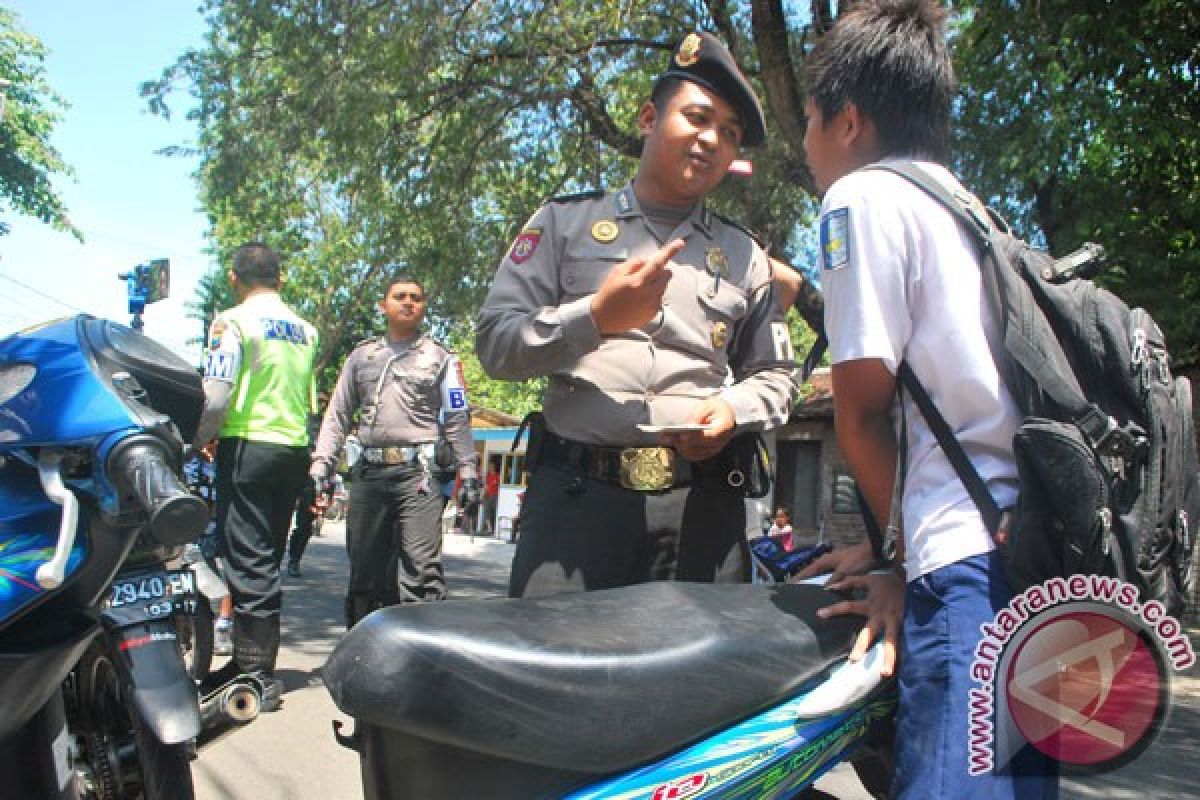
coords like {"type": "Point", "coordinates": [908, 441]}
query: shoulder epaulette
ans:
{"type": "Point", "coordinates": [734, 224]}
{"type": "Point", "coordinates": [365, 342]}
{"type": "Point", "coordinates": [591, 194]}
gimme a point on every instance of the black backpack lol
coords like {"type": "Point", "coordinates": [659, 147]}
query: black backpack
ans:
{"type": "Point", "coordinates": [1106, 452]}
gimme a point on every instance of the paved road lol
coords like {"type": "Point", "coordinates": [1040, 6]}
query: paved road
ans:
{"type": "Point", "coordinates": [292, 754]}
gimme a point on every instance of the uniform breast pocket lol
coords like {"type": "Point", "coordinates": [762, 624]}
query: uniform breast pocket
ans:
{"type": "Point", "coordinates": [727, 304]}
{"type": "Point", "coordinates": [419, 383]}
{"type": "Point", "coordinates": [583, 270]}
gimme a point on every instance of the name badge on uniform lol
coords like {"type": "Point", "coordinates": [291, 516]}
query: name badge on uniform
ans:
{"type": "Point", "coordinates": [835, 238]}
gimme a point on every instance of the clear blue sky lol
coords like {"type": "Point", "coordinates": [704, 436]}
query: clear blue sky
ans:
{"type": "Point", "coordinates": [131, 204]}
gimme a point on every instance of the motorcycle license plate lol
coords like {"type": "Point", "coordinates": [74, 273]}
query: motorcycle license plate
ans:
{"type": "Point", "coordinates": [157, 593]}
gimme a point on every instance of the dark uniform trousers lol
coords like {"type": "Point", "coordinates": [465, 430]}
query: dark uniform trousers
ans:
{"type": "Point", "coordinates": [257, 486]}
{"type": "Point", "coordinates": [579, 533]}
{"type": "Point", "coordinates": [305, 522]}
{"type": "Point", "coordinates": [393, 538]}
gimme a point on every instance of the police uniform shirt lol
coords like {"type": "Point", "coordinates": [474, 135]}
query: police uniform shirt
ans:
{"type": "Point", "coordinates": [901, 282]}
{"type": "Point", "coordinates": [719, 330]}
{"type": "Point", "coordinates": [401, 388]}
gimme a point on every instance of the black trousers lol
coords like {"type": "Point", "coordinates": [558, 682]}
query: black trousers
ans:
{"type": "Point", "coordinates": [305, 520]}
{"type": "Point", "coordinates": [394, 539]}
{"type": "Point", "coordinates": [257, 486]}
{"type": "Point", "coordinates": [579, 534]}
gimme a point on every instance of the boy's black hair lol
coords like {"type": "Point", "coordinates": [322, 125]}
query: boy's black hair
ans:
{"type": "Point", "coordinates": [256, 265]}
{"type": "Point", "coordinates": [889, 58]}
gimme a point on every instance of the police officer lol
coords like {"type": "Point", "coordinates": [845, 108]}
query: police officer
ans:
{"type": "Point", "coordinates": [645, 309]}
{"type": "Point", "coordinates": [258, 386]}
{"type": "Point", "coordinates": [398, 384]}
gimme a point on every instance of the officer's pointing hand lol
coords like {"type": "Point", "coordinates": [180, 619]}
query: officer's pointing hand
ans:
{"type": "Point", "coordinates": [631, 295]}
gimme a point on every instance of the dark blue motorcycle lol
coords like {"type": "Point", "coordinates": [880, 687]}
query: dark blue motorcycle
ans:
{"type": "Point", "coordinates": [96, 699]}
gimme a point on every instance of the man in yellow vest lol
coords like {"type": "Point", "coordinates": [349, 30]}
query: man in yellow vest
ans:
{"type": "Point", "coordinates": [258, 386]}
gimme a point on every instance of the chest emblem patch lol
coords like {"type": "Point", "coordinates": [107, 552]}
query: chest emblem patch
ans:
{"type": "Point", "coordinates": [525, 245]}
{"type": "Point", "coordinates": [605, 231]}
{"type": "Point", "coordinates": [835, 238]}
{"type": "Point", "coordinates": [716, 261]}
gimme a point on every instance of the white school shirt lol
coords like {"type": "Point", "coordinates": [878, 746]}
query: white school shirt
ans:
{"type": "Point", "coordinates": [901, 282]}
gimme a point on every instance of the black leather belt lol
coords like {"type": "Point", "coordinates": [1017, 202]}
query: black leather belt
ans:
{"type": "Point", "coordinates": [643, 469]}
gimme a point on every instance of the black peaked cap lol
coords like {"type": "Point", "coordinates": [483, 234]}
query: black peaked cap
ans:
{"type": "Point", "coordinates": [701, 58]}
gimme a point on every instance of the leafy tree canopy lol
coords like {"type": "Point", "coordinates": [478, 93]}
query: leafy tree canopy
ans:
{"type": "Point", "coordinates": [1082, 121]}
{"type": "Point", "coordinates": [358, 136]}
{"type": "Point", "coordinates": [30, 111]}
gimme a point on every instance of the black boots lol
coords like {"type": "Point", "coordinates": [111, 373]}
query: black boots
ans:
{"type": "Point", "coordinates": [255, 648]}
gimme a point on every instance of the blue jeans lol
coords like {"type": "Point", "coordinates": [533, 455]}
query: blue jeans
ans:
{"type": "Point", "coordinates": [942, 614]}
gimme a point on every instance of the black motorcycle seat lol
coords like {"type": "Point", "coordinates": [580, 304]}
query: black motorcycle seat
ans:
{"type": "Point", "coordinates": [593, 682]}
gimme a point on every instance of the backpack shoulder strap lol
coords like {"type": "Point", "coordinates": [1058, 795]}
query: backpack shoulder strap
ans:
{"type": "Point", "coordinates": [1027, 335]}
{"type": "Point", "coordinates": [976, 488]}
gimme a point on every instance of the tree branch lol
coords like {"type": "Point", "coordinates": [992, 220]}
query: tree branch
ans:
{"type": "Point", "coordinates": [600, 122]}
{"type": "Point", "coordinates": [784, 98]}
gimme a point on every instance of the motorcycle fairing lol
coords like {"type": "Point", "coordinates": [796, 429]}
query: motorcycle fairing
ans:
{"type": "Point", "coordinates": [28, 534]}
{"type": "Point", "coordinates": [162, 691]}
{"type": "Point", "coordinates": [596, 683]}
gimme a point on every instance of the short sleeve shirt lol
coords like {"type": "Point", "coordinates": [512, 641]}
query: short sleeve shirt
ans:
{"type": "Point", "coordinates": [902, 283]}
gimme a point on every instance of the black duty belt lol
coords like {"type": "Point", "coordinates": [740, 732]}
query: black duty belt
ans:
{"type": "Point", "coordinates": [643, 469]}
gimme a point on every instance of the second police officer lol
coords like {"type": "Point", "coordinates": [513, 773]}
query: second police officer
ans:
{"type": "Point", "coordinates": [398, 385]}
{"type": "Point", "coordinates": [645, 308]}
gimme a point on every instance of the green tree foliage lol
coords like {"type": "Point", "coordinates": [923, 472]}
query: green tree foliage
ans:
{"type": "Point", "coordinates": [27, 160]}
{"type": "Point", "coordinates": [358, 136]}
{"type": "Point", "coordinates": [1082, 121]}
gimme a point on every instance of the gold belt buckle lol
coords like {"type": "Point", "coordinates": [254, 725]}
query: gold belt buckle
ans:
{"type": "Point", "coordinates": [393, 455]}
{"type": "Point", "coordinates": [646, 469]}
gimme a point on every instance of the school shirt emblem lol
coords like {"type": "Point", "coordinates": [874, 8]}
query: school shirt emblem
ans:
{"type": "Point", "coordinates": [835, 238]}
{"type": "Point", "coordinates": [525, 245]}
{"type": "Point", "coordinates": [689, 50]}
{"type": "Point", "coordinates": [605, 231]}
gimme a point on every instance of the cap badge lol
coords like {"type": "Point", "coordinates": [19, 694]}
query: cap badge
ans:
{"type": "Point", "coordinates": [689, 50]}
{"type": "Point", "coordinates": [720, 335]}
{"type": "Point", "coordinates": [605, 231]}
{"type": "Point", "coordinates": [717, 262]}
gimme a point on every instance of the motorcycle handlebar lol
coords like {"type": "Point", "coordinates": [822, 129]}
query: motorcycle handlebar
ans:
{"type": "Point", "coordinates": [141, 469]}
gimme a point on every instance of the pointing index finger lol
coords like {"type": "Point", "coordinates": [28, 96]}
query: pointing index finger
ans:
{"type": "Point", "coordinates": [665, 253]}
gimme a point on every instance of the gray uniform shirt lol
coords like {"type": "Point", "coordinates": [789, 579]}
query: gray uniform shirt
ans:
{"type": "Point", "coordinates": [719, 331]}
{"type": "Point", "coordinates": [401, 387]}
